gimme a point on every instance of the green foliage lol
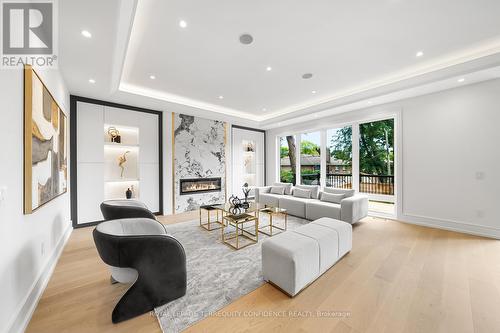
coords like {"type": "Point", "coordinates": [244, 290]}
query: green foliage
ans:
{"type": "Point", "coordinates": [283, 152]}
{"type": "Point", "coordinates": [342, 145]}
{"type": "Point", "coordinates": [286, 176]}
{"type": "Point", "coordinates": [306, 147]}
{"type": "Point", "coordinates": [376, 147]}
{"type": "Point", "coordinates": [309, 148]}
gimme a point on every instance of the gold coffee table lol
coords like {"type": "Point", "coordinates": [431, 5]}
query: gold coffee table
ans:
{"type": "Point", "coordinates": [245, 221]}
{"type": "Point", "coordinates": [240, 223]}
{"type": "Point", "coordinates": [208, 225]}
{"type": "Point", "coordinates": [272, 212]}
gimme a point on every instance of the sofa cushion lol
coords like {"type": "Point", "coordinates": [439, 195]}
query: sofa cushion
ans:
{"type": "Point", "coordinates": [290, 260]}
{"type": "Point", "coordinates": [300, 193]}
{"type": "Point", "coordinates": [293, 205]}
{"type": "Point", "coordinates": [269, 199]}
{"type": "Point", "coordinates": [316, 209]}
{"type": "Point", "coordinates": [328, 241]}
{"type": "Point", "coordinates": [287, 186]}
{"type": "Point", "coordinates": [313, 188]}
{"type": "Point", "coordinates": [331, 197]}
{"type": "Point", "coordinates": [344, 231]}
{"type": "Point", "coordinates": [277, 190]}
{"type": "Point", "coordinates": [347, 192]}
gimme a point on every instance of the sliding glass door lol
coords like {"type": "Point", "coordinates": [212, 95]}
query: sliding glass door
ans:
{"type": "Point", "coordinates": [339, 157]}
{"type": "Point", "coordinates": [376, 164]}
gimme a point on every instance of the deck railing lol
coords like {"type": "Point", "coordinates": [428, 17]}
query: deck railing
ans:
{"type": "Point", "coordinates": [372, 184]}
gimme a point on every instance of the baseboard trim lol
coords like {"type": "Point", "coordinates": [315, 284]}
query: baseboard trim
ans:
{"type": "Point", "coordinates": [23, 315]}
{"type": "Point", "coordinates": [462, 227]}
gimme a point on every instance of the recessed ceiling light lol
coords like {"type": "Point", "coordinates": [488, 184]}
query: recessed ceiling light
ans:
{"type": "Point", "coordinates": [246, 39]}
{"type": "Point", "coordinates": [307, 76]}
{"type": "Point", "coordinates": [370, 102]}
{"type": "Point", "coordinates": [91, 81]}
{"type": "Point", "coordinates": [419, 54]}
{"type": "Point", "coordinates": [221, 97]}
{"type": "Point", "coordinates": [269, 68]}
{"type": "Point", "coordinates": [86, 34]}
{"type": "Point", "coordinates": [183, 24]}
{"type": "Point", "coordinates": [152, 77]}
{"type": "Point", "coordinates": [264, 109]}
{"type": "Point", "coordinates": [314, 91]}
{"type": "Point", "coordinates": [461, 80]}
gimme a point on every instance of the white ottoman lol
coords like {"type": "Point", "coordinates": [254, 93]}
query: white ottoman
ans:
{"type": "Point", "coordinates": [294, 259]}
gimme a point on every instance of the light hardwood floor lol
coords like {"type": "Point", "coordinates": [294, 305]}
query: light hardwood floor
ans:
{"type": "Point", "coordinates": [397, 278]}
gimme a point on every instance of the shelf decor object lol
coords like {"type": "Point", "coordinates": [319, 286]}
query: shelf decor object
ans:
{"type": "Point", "coordinates": [45, 144]}
{"type": "Point", "coordinates": [114, 134]}
{"type": "Point", "coordinates": [121, 162]}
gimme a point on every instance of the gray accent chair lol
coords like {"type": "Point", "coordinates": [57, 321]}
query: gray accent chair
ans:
{"type": "Point", "coordinates": [352, 207]}
{"type": "Point", "coordinates": [122, 209]}
{"type": "Point", "coordinates": [139, 251]}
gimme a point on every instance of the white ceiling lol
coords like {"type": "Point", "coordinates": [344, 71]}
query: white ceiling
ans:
{"type": "Point", "coordinates": [356, 50]}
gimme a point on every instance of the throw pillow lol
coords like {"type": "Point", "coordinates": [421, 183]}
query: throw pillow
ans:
{"type": "Point", "coordinates": [346, 192]}
{"type": "Point", "coordinates": [330, 197]}
{"type": "Point", "coordinates": [278, 190]}
{"type": "Point", "coordinates": [287, 186]}
{"type": "Point", "coordinates": [313, 188]}
{"type": "Point", "coordinates": [300, 193]}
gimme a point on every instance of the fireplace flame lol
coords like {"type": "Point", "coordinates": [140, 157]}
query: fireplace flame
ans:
{"type": "Point", "coordinates": [200, 187]}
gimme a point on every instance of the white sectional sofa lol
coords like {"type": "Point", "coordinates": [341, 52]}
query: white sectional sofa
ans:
{"type": "Point", "coordinates": [339, 204]}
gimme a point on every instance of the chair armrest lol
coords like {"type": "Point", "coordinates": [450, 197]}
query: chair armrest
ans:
{"type": "Point", "coordinates": [259, 190]}
{"type": "Point", "coordinates": [111, 212]}
{"type": "Point", "coordinates": [353, 209]}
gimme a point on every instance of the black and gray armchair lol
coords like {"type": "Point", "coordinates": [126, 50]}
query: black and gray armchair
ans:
{"type": "Point", "coordinates": [123, 209]}
{"type": "Point", "coordinates": [139, 250]}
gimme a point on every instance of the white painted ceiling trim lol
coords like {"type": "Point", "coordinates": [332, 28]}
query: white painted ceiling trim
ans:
{"type": "Point", "coordinates": [477, 63]}
{"type": "Point", "coordinates": [401, 78]}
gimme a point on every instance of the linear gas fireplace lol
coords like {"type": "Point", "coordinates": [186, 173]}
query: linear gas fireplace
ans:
{"type": "Point", "coordinates": [200, 185]}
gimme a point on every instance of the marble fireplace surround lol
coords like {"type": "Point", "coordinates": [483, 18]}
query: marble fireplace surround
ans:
{"type": "Point", "coordinates": [199, 152]}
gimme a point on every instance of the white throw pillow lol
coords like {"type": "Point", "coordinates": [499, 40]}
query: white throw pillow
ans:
{"type": "Point", "coordinates": [287, 186]}
{"type": "Point", "coordinates": [313, 188]}
{"type": "Point", "coordinates": [278, 190]}
{"type": "Point", "coordinates": [330, 197]}
{"type": "Point", "coordinates": [346, 192]}
{"type": "Point", "coordinates": [300, 193]}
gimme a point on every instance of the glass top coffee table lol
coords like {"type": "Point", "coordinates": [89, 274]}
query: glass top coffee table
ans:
{"type": "Point", "coordinates": [272, 212]}
{"type": "Point", "coordinates": [244, 223]}
{"type": "Point", "coordinates": [240, 226]}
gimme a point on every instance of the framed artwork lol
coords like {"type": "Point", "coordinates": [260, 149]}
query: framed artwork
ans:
{"type": "Point", "coordinates": [45, 144]}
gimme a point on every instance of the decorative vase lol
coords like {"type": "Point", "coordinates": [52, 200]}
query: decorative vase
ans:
{"type": "Point", "coordinates": [128, 194]}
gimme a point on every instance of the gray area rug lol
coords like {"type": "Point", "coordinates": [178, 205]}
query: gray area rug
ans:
{"type": "Point", "coordinates": [216, 274]}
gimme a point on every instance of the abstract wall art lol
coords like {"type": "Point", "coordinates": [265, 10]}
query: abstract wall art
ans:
{"type": "Point", "coordinates": [45, 144]}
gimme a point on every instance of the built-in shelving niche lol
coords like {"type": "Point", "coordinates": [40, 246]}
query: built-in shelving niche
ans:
{"type": "Point", "coordinates": [116, 183]}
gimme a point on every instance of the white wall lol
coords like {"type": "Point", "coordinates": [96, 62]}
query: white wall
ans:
{"type": "Point", "coordinates": [449, 157]}
{"type": "Point", "coordinates": [29, 244]}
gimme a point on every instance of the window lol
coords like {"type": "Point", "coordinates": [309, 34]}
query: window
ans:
{"type": "Point", "coordinates": [339, 157]}
{"type": "Point", "coordinates": [287, 159]}
{"type": "Point", "coordinates": [310, 158]}
{"type": "Point", "coordinates": [376, 157]}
